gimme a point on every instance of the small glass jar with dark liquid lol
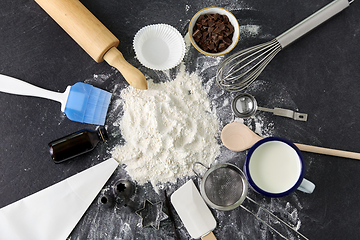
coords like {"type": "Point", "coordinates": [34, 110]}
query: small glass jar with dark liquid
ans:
{"type": "Point", "coordinates": [76, 144]}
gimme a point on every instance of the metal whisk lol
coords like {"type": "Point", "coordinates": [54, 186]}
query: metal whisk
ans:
{"type": "Point", "coordinates": [239, 70]}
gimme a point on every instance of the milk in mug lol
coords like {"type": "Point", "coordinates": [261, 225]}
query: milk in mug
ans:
{"type": "Point", "coordinates": [275, 167]}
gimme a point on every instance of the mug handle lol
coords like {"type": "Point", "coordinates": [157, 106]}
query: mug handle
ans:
{"type": "Point", "coordinates": [306, 186]}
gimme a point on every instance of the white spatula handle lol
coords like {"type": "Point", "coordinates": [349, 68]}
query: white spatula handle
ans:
{"type": "Point", "coordinates": [18, 87]}
{"type": "Point", "coordinates": [312, 21]}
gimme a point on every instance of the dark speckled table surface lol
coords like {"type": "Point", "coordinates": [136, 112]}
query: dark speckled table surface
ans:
{"type": "Point", "coordinates": [318, 74]}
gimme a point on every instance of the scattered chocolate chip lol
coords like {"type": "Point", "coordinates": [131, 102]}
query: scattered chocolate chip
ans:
{"type": "Point", "coordinates": [213, 32]}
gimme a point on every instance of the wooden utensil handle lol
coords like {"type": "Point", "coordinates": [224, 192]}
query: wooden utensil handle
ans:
{"type": "Point", "coordinates": [210, 236]}
{"type": "Point", "coordinates": [92, 36]}
{"type": "Point", "coordinates": [328, 151]}
{"type": "Point", "coordinates": [81, 25]}
{"type": "Point", "coordinates": [132, 75]}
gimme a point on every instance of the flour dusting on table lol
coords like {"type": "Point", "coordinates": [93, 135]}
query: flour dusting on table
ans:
{"type": "Point", "coordinates": [167, 128]}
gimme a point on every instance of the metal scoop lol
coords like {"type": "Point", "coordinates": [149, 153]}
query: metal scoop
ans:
{"type": "Point", "coordinates": [244, 105]}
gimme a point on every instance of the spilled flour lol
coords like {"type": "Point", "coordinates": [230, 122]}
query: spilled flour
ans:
{"type": "Point", "coordinates": [167, 128]}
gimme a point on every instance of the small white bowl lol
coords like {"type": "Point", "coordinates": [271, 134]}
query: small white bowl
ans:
{"type": "Point", "coordinates": [213, 10]}
{"type": "Point", "coordinates": [159, 46]}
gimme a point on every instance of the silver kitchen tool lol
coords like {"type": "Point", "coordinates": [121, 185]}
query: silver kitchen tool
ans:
{"type": "Point", "coordinates": [224, 187]}
{"type": "Point", "coordinates": [239, 70]}
{"type": "Point", "coordinates": [123, 190]}
{"type": "Point", "coordinates": [106, 200]}
{"type": "Point", "coordinates": [244, 105]}
{"type": "Point", "coordinates": [151, 214]}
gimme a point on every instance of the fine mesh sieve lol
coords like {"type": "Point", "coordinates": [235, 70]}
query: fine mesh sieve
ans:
{"type": "Point", "coordinates": [224, 187]}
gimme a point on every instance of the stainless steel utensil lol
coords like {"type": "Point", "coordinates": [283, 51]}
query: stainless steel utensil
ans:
{"type": "Point", "coordinates": [151, 214]}
{"type": "Point", "coordinates": [106, 200]}
{"type": "Point", "coordinates": [123, 190]}
{"type": "Point", "coordinates": [239, 70]}
{"type": "Point", "coordinates": [224, 187]}
{"type": "Point", "coordinates": [245, 105]}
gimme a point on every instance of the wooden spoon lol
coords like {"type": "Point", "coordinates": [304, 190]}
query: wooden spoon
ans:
{"type": "Point", "coordinates": [238, 137]}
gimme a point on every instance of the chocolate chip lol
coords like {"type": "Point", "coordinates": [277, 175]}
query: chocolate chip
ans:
{"type": "Point", "coordinates": [222, 47]}
{"type": "Point", "coordinates": [197, 34]}
{"type": "Point", "coordinates": [227, 40]}
{"type": "Point", "coordinates": [211, 23]}
{"type": "Point", "coordinates": [201, 17]}
{"type": "Point", "coordinates": [213, 32]}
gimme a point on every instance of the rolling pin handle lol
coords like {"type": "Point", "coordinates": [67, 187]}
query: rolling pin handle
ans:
{"type": "Point", "coordinates": [132, 75]}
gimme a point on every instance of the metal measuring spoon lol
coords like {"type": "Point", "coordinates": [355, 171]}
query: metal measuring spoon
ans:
{"type": "Point", "coordinates": [244, 105]}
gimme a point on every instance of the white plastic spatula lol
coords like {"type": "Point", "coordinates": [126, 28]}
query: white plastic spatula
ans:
{"type": "Point", "coordinates": [194, 212]}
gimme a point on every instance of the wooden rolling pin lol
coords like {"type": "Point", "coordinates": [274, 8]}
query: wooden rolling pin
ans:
{"type": "Point", "coordinates": [92, 36]}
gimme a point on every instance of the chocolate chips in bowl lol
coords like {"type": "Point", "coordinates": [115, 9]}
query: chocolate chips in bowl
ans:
{"type": "Point", "coordinates": [214, 31]}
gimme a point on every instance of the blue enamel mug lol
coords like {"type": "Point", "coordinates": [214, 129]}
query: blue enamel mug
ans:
{"type": "Point", "coordinates": [274, 167]}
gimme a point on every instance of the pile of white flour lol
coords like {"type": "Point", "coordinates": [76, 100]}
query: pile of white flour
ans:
{"type": "Point", "coordinates": [167, 128]}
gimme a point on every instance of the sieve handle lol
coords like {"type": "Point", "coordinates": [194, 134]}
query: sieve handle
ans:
{"type": "Point", "coordinates": [196, 173]}
{"type": "Point", "coordinates": [259, 219]}
{"type": "Point", "coordinates": [273, 215]}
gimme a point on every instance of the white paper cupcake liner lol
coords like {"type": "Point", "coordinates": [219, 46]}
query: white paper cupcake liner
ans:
{"type": "Point", "coordinates": [159, 46]}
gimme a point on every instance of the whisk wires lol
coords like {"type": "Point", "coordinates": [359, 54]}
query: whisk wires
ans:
{"type": "Point", "coordinates": [239, 70]}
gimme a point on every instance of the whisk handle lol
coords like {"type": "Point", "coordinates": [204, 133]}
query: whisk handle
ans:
{"type": "Point", "coordinates": [312, 21]}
